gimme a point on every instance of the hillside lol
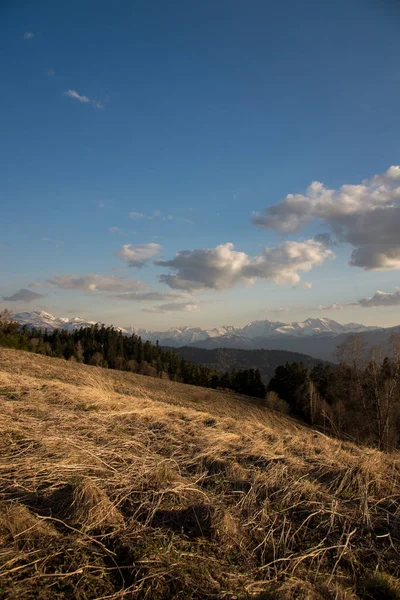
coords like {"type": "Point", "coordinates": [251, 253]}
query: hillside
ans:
{"type": "Point", "coordinates": [115, 485]}
{"type": "Point", "coordinates": [226, 359]}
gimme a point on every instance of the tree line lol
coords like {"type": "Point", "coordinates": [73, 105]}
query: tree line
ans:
{"type": "Point", "coordinates": [107, 347]}
{"type": "Point", "coordinates": [358, 399]}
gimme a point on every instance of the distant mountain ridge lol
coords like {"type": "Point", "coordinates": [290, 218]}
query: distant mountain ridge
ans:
{"type": "Point", "coordinates": [318, 338]}
{"type": "Point", "coordinates": [190, 335]}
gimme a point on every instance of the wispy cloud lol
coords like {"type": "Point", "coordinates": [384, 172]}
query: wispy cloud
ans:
{"type": "Point", "coordinates": [101, 204]}
{"type": "Point", "coordinates": [29, 35]}
{"type": "Point", "coordinates": [172, 307]}
{"type": "Point", "coordinates": [139, 255]}
{"type": "Point", "coordinates": [93, 282]}
{"type": "Point", "coordinates": [156, 214]}
{"type": "Point", "coordinates": [84, 99]}
{"type": "Point", "coordinates": [116, 230]}
{"type": "Point", "coordinates": [330, 307]}
{"type": "Point", "coordinates": [153, 296]}
{"type": "Point", "coordinates": [56, 243]}
{"type": "Point", "coordinates": [23, 295]}
{"type": "Point", "coordinates": [51, 72]}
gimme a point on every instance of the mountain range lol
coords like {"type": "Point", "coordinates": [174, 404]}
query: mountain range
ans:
{"type": "Point", "coordinates": [188, 335]}
{"type": "Point", "coordinates": [315, 337]}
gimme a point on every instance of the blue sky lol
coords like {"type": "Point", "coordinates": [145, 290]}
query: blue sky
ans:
{"type": "Point", "coordinates": [132, 131]}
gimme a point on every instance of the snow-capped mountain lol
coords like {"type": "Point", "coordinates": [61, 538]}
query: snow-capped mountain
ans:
{"type": "Point", "coordinates": [318, 326]}
{"type": "Point", "coordinates": [43, 320]}
{"type": "Point", "coordinates": [181, 336]}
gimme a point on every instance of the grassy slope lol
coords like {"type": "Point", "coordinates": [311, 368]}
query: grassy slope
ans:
{"type": "Point", "coordinates": [115, 485]}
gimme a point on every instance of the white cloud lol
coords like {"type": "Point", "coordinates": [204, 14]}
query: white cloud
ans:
{"type": "Point", "coordinates": [277, 310]}
{"type": "Point", "coordinates": [93, 282]}
{"type": "Point", "coordinates": [173, 307]}
{"type": "Point", "coordinates": [136, 215]}
{"type": "Point", "coordinates": [74, 94]}
{"type": "Point", "coordinates": [51, 72]}
{"type": "Point", "coordinates": [366, 216]}
{"type": "Point", "coordinates": [84, 99]}
{"type": "Point", "coordinates": [217, 268]}
{"type": "Point", "coordinates": [223, 267]}
{"type": "Point", "coordinates": [139, 255]}
{"type": "Point", "coordinates": [29, 35]}
{"type": "Point", "coordinates": [114, 230]}
{"type": "Point", "coordinates": [23, 295]}
{"type": "Point", "coordinates": [381, 299]}
{"type": "Point", "coordinates": [101, 204]}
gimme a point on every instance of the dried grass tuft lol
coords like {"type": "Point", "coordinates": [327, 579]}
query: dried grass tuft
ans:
{"type": "Point", "coordinates": [92, 508]}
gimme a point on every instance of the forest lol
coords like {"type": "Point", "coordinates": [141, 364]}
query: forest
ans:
{"type": "Point", "coordinates": [358, 399]}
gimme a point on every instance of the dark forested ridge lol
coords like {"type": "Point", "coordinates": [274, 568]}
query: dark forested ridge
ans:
{"type": "Point", "coordinates": [106, 347]}
{"type": "Point", "coordinates": [228, 359]}
{"type": "Point", "coordinates": [319, 346]}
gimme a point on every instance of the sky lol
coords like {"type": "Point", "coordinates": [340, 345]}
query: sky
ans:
{"type": "Point", "coordinates": [201, 163]}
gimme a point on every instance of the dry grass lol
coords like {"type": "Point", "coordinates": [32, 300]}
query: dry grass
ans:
{"type": "Point", "coordinates": [114, 485]}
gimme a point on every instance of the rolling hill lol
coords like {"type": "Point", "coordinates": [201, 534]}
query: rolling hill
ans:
{"type": "Point", "coordinates": [115, 485]}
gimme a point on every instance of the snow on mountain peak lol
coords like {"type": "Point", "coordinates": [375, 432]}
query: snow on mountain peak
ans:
{"type": "Point", "coordinates": [180, 336]}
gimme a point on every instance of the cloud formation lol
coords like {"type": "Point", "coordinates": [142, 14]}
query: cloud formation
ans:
{"type": "Point", "coordinates": [28, 35]}
{"type": "Point", "coordinates": [366, 216]}
{"type": "Point", "coordinates": [139, 255]}
{"type": "Point", "coordinates": [84, 99]}
{"type": "Point", "coordinates": [223, 267]}
{"type": "Point", "coordinates": [93, 282]}
{"type": "Point", "coordinates": [381, 299]}
{"type": "Point", "coordinates": [172, 307]}
{"type": "Point", "coordinates": [23, 295]}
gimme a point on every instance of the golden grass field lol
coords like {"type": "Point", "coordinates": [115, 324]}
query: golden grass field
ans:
{"type": "Point", "coordinates": [115, 485]}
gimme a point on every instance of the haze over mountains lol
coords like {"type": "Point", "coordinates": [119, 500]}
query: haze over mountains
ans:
{"type": "Point", "coordinates": [315, 337]}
